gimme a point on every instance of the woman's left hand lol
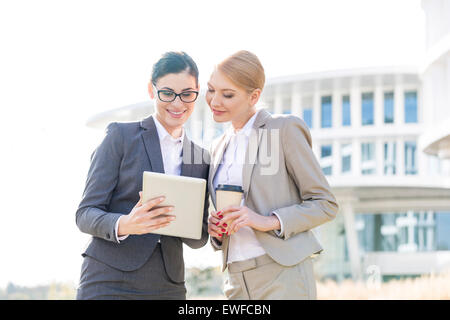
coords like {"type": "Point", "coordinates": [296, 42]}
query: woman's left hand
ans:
{"type": "Point", "coordinates": [238, 217]}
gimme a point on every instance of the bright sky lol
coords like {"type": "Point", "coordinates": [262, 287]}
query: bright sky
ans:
{"type": "Point", "coordinates": [63, 61]}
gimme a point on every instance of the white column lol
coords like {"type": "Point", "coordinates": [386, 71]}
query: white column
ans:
{"type": "Point", "coordinates": [208, 126]}
{"type": "Point", "coordinates": [316, 149]}
{"type": "Point", "coordinates": [356, 157]}
{"type": "Point", "coordinates": [447, 91]}
{"type": "Point", "coordinates": [337, 162]}
{"type": "Point", "coordinates": [316, 108]}
{"type": "Point", "coordinates": [399, 102]}
{"type": "Point", "coordinates": [336, 107]}
{"type": "Point", "coordinates": [278, 100]}
{"type": "Point", "coordinates": [379, 156]}
{"type": "Point", "coordinates": [428, 98]}
{"type": "Point", "coordinates": [378, 103]}
{"type": "Point", "coordinates": [297, 108]}
{"type": "Point", "coordinates": [355, 103]}
{"type": "Point", "coordinates": [196, 122]}
{"type": "Point", "coordinates": [400, 161]}
{"type": "Point", "coordinates": [351, 238]}
{"type": "Point", "coordinates": [421, 158]}
{"type": "Point", "coordinates": [430, 230]}
{"type": "Point", "coordinates": [411, 227]}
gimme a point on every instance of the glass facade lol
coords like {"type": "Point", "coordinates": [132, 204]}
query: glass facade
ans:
{"type": "Point", "coordinates": [411, 107]}
{"type": "Point", "coordinates": [404, 232]}
{"type": "Point", "coordinates": [389, 158]}
{"type": "Point", "coordinates": [367, 109]}
{"type": "Point", "coordinates": [388, 107]}
{"type": "Point", "coordinates": [410, 157]}
{"type": "Point", "coordinates": [326, 161]}
{"type": "Point", "coordinates": [346, 156]}
{"type": "Point", "coordinates": [368, 164]}
{"type": "Point", "coordinates": [326, 113]}
{"type": "Point", "coordinates": [307, 117]}
{"type": "Point", "coordinates": [346, 115]}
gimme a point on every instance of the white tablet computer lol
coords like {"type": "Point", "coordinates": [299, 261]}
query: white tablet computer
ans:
{"type": "Point", "coordinates": [186, 194]}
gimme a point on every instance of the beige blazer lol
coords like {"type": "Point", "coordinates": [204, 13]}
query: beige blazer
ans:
{"type": "Point", "coordinates": [281, 174]}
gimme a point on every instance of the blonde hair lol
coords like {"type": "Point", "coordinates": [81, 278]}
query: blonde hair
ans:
{"type": "Point", "coordinates": [244, 69]}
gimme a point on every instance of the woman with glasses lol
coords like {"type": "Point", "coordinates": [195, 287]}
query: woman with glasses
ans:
{"type": "Point", "coordinates": [266, 241]}
{"type": "Point", "coordinates": [124, 259]}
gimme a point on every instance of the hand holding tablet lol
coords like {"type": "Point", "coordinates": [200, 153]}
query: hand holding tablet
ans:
{"type": "Point", "coordinates": [187, 197]}
{"type": "Point", "coordinates": [145, 217]}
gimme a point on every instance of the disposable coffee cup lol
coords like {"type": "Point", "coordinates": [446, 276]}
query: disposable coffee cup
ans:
{"type": "Point", "coordinates": [228, 195]}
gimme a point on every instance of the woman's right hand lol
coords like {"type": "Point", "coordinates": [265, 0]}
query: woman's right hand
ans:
{"type": "Point", "coordinates": [144, 218]}
{"type": "Point", "coordinates": [214, 228]}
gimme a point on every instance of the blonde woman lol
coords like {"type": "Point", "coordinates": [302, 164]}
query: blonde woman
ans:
{"type": "Point", "coordinates": [267, 242]}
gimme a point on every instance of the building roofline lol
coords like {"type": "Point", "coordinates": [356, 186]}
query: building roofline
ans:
{"type": "Point", "coordinates": [125, 113]}
{"type": "Point", "coordinates": [341, 73]}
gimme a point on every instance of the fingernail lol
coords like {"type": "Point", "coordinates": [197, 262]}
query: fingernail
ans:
{"type": "Point", "coordinates": [217, 223]}
{"type": "Point", "coordinates": [223, 230]}
{"type": "Point", "coordinates": [219, 212]}
{"type": "Point", "coordinates": [225, 225]}
{"type": "Point", "coordinates": [220, 235]}
{"type": "Point", "coordinates": [220, 216]}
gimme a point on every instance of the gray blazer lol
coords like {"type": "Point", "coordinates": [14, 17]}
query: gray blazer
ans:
{"type": "Point", "coordinates": [281, 174]}
{"type": "Point", "coordinates": [112, 189]}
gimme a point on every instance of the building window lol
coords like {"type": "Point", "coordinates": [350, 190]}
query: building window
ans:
{"type": "Point", "coordinates": [346, 115]}
{"type": "Point", "coordinates": [410, 157]}
{"type": "Point", "coordinates": [403, 232]}
{"type": "Point", "coordinates": [411, 107]}
{"type": "Point", "coordinates": [389, 158]}
{"type": "Point", "coordinates": [367, 109]}
{"type": "Point", "coordinates": [388, 107]}
{"type": "Point", "coordinates": [326, 161]}
{"type": "Point", "coordinates": [346, 154]}
{"type": "Point", "coordinates": [307, 117]}
{"type": "Point", "coordinates": [326, 112]}
{"type": "Point", "coordinates": [368, 164]}
{"type": "Point", "coordinates": [442, 227]}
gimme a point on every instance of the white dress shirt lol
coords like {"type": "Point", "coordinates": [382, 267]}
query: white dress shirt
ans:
{"type": "Point", "coordinates": [243, 244]}
{"type": "Point", "coordinates": [171, 149]}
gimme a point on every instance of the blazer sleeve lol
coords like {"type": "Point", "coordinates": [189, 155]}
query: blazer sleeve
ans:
{"type": "Point", "coordinates": [318, 203]}
{"type": "Point", "coordinates": [193, 243]}
{"type": "Point", "coordinates": [216, 245]}
{"type": "Point", "coordinates": [92, 215]}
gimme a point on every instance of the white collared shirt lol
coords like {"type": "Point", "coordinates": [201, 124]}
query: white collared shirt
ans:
{"type": "Point", "coordinates": [243, 244]}
{"type": "Point", "coordinates": [171, 149]}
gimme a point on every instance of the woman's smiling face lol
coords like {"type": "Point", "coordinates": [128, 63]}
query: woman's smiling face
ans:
{"type": "Point", "coordinates": [226, 100]}
{"type": "Point", "coordinates": [173, 115]}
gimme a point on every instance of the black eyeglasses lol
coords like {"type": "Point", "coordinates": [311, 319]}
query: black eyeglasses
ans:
{"type": "Point", "coordinates": [169, 95]}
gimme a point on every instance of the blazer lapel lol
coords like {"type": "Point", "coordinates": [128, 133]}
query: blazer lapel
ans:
{"type": "Point", "coordinates": [215, 163]}
{"type": "Point", "coordinates": [152, 146]}
{"type": "Point", "coordinates": [251, 154]}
